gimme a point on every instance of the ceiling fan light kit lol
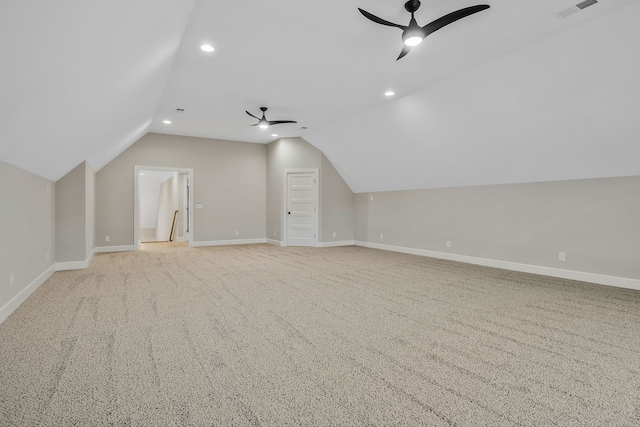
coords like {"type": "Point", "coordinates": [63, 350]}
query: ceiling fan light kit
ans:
{"type": "Point", "coordinates": [413, 34]}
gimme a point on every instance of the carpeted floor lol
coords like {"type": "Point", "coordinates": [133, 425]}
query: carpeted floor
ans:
{"type": "Point", "coordinates": [262, 335]}
{"type": "Point", "coordinates": [154, 246]}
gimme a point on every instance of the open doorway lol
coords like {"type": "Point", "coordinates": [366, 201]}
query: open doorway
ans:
{"type": "Point", "coordinates": [162, 210]}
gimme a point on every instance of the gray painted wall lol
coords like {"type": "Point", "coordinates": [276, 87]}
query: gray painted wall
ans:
{"type": "Point", "coordinates": [75, 214]}
{"type": "Point", "coordinates": [229, 180]}
{"type": "Point", "coordinates": [335, 198]}
{"type": "Point", "coordinates": [337, 205]}
{"type": "Point", "coordinates": [71, 225]}
{"type": "Point", "coordinates": [90, 209]}
{"type": "Point", "coordinates": [275, 192]}
{"type": "Point", "coordinates": [27, 224]}
{"type": "Point", "coordinates": [594, 221]}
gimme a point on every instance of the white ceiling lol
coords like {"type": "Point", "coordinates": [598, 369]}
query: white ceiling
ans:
{"type": "Point", "coordinates": [511, 94]}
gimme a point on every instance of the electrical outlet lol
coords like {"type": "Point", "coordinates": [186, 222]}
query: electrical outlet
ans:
{"type": "Point", "coordinates": [381, 236]}
{"type": "Point", "coordinates": [274, 233]}
{"type": "Point", "coordinates": [237, 233]}
{"type": "Point", "coordinates": [562, 256]}
{"type": "Point", "coordinates": [448, 243]}
{"type": "Point", "coordinates": [11, 279]}
{"type": "Point", "coordinates": [107, 238]}
{"type": "Point", "coordinates": [48, 255]}
{"type": "Point", "coordinates": [334, 234]}
{"type": "Point", "coordinates": [371, 197]}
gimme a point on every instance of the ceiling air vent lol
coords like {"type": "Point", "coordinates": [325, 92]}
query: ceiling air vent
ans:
{"type": "Point", "coordinates": [586, 3]}
{"type": "Point", "coordinates": [577, 8]}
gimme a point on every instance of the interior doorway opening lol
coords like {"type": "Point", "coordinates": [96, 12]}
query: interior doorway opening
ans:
{"type": "Point", "coordinates": [163, 211]}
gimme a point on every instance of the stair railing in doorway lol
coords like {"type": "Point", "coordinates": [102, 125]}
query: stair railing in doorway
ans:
{"type": "Point", "coordinates": [173, 225]}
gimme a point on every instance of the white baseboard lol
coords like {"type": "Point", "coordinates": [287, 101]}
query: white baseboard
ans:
{"type": "Point", "coordinates": [15, 302]}
{"type": "Point", "coordinates": [228, 242]}
{"type": "Point", "coordinates": [124, 248]}
{"type": "Point", "coordinates": [601, 279]}
{"type": "Point", "coordinates": [75, 265]}
{"type": "Point", "coordinates": [318, 245]}
{"type": "Point", "coordinates": [336, 243]}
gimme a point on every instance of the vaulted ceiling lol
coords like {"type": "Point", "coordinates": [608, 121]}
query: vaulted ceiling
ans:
{"type": "Point", "coordinates": [511, 94]}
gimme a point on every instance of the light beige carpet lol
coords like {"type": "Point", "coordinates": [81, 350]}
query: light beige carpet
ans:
{"type": "Point", "coordinates": [154, 246]}
{"type": "Point", "coordinates": [262, 335]}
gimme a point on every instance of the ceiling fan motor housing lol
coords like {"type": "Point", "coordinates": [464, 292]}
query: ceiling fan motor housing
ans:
{"type": "Point", "coordinates": [412, 5]}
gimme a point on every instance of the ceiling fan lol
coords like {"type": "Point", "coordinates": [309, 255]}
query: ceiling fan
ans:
{"type": "Point", "coordinates": [264, 123]}
{"type": "Point", "coordinates": [413, 34]}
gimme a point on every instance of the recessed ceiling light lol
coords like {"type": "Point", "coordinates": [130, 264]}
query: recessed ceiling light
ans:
{"type": "Point", "coordinates": [207, 48]}
{"type": "Point", "coordinates": [389, 93]}
{"type": "Point", "coordinates": [166, 122]}
{"type": "Point", "coordinates": [141, 173]}
{"type": "Point", "coordinates": [274, 134]}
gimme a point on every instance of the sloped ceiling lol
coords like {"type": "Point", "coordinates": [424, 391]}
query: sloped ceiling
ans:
{"type": "Point", "coordinates": [81, 80]}
{"type": "Point", "coordinates": [564, 108]}
{"type": "Point", "coordinates": [511, 94]}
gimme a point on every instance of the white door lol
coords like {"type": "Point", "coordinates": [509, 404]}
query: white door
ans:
{"type": "Point", "coordinates": [301, 208]}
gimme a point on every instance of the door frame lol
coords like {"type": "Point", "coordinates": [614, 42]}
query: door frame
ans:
{"type": "Point", "coordinates": [285, 217]}
{"type": "Point", "coordinates": [136, 199]}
